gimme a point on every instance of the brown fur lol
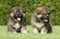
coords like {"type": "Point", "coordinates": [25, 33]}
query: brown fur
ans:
{"type": "Point", "coordinates": [13, 24]}
{"type": "Point", "coordinates": [40, 20]}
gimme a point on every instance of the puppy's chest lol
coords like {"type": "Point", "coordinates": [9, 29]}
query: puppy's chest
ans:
{"type": "Point", "coordinates": [17, 25]}
{"type": "Point", "coordinates": [40, 25]}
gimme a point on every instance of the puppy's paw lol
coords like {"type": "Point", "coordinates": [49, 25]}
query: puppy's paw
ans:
{"type": "Point", "coordinates": [25, 31]}
{"type": "Point", "coordinates": [35, 31]}
{"type": "Point", "coordinates": [43, 32]}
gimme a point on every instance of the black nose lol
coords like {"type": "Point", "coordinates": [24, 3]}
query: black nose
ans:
{"type": "Point", "coordinates": [18, 13]}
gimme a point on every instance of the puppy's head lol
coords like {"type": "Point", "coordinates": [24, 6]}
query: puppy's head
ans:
{"type": "Point", "coordinates": [43, 13]}
{"type": "Point", "coordinates": [17, 13]}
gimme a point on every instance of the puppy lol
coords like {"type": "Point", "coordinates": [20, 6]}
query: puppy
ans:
{"type": "Point", "coordinates": [40, 20]}
{"type": "Point", "coordinates": [17, 20]}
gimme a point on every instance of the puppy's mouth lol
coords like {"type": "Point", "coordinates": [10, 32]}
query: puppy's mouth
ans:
{"type": "Point", "coordinates": [19, 19]}
{"type": "Point", "coordinates": [45, 20]}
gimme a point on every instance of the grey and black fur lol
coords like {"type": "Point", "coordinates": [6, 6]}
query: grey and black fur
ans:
{"type": "Point", "coordinates": [15, 25]}
{"type": "Point", "coordinates": [40, 20]}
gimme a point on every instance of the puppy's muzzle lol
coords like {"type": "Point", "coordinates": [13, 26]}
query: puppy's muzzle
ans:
{"type": "Point", "coordinates": [18, 16]}
{"type": "Point", "coordinates": [44, 18]}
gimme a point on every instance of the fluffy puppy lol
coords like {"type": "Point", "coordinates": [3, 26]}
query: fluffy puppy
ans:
{"type": "Point", "coordinates": [40, 20]}
{"type": "Point", "coordinates": [17, 20]}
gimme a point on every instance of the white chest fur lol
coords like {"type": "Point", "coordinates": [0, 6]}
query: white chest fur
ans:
{"type": "Point", "coordinates": [39, 25]}
{"type": "Point", "coordinates": [17, 25]}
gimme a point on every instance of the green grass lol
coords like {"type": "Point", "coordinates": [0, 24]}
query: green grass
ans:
{"type": "Point", "coordinates": [5, 35]}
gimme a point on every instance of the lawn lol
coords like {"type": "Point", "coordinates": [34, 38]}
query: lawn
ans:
{"type": "Point", "coordinates": [5, 35]}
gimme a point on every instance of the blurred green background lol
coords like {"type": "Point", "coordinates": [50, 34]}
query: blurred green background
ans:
{"type": "Point", "coordinates": [30, 6]}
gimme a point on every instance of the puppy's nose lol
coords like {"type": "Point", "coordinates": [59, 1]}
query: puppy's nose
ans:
{"type": "Point", "coordinates": [44, 17]}
{"type": "Point", "coordinates": [18, 13]}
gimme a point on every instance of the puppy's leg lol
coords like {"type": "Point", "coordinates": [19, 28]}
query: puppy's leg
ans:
{"type": "Point", "coordinates": [43, 30]}
{"type": "Point", "coordinates": [49, 29]}
{"type": "Point", "coordinates": [23, 29]}
{"type": "Point", "coordinates": [35, 30]}
{"type": "Point", "coordinates": [11, 29]}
